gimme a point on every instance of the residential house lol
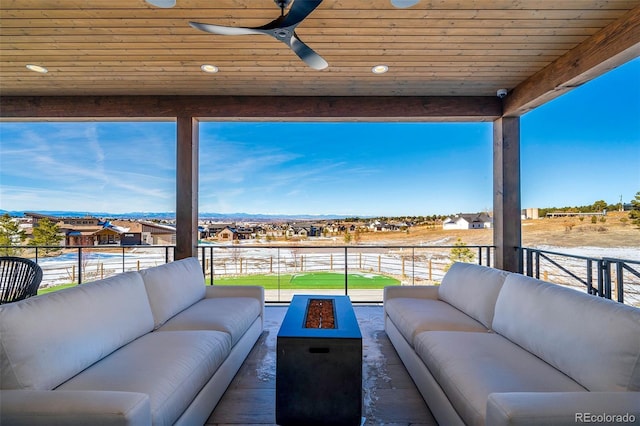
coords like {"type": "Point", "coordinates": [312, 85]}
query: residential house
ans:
{"type": "Point", "coordinates": [468, 221]}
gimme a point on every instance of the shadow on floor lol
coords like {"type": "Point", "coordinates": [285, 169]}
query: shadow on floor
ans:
{"type": "Point", "coordinates": [390, 396]}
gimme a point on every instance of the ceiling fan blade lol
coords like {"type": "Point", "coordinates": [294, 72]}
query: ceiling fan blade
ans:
{"type": "Point", "coordinates": [299, 10]}
{"type": "Point", "coordinates": [162, 3]}
{"type": "Point", "coordinates": [308, 55]}
{"type": "Point", "coordinates": [404, 3]}
{"type": "Point", "coordinates": [222, 30]}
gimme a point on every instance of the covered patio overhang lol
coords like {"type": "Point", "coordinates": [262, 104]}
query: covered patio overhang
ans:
{"type": "Point", "coordinates": [418, 95]}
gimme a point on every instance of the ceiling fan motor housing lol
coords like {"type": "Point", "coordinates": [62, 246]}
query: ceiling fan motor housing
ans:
{"type": "Point", "coordinates": [282, 3]}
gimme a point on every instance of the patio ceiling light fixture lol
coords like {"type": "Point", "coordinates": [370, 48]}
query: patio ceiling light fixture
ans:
{"type": "Point", "coordinates": [211, 69]}
{"type": "Point", "coordinates": [380, 69]}
{"type": "Point", "coordinates": [37, 68]}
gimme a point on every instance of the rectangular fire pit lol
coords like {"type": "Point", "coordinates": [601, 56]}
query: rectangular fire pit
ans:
{"type": "Point", "coordinates": [319, 363]}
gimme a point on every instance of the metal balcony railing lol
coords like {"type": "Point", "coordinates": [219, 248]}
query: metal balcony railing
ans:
{"type": "Point", "coordinates": [612, 278]}
{"type": "Point", "coordinates": [335, 269]}
{"type": "Point", "coordinates": [358, 271]}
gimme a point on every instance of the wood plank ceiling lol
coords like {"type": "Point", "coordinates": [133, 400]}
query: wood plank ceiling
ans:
{"type": "Point", "coordinates": [435, 48]}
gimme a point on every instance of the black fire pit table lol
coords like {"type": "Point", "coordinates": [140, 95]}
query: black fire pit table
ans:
{"type": "Point", "coordinates": [319, 370]}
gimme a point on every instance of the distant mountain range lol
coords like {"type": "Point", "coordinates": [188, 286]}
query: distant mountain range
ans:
{"type": "Point", "coordinates": [222, 217]}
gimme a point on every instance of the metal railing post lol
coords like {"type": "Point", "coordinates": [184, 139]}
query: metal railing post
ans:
{"type": "Point", "coordinates": [619, 281]}
{"type": "Point", "coordinates": [346, 273]}
{"type": "Point", "coordinates": [589, 276]}
{"type": "Point", "coordinates": [79, 265]}
{"type": "Point", "coordinates": [212, 270]}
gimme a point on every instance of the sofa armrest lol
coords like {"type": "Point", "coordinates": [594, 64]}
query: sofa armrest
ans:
{"type": "Point", "coordinates": [562, 408]}
{"type": "Point", "coordinates": [58, 407]}
{"type": "Point", "coordinates": [413, 291]}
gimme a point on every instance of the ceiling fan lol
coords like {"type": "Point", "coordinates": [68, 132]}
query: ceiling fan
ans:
{"type": "Point", "coordinates": [282, 29]}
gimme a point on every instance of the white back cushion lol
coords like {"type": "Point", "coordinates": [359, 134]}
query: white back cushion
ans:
{"type": "Point", "coordinates": [173, 287]}
{"type": "Point", "coordinates": [473, 289]}
{"type": "Point", "coordinates": [46, 340]}
{"type": "Point", "coordinates": [594, 341]}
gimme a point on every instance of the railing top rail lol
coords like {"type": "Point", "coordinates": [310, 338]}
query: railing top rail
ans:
{"type": "Point", "coordinates": [575, 256]}
{"type": "Point", "coordinates": [114, 246]}
{"type": "Point", "coordinates": [354, 246]}
{"type": "Point", "coordinates": [616, 260]}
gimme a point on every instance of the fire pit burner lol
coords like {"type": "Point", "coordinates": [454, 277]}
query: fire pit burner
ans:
{"type": "Point", "coordinates": [320, 314]}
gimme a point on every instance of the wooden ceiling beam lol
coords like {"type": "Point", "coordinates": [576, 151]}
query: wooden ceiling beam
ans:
{"type": "Point", "coordinates": [609, 48]}
{"type": "Point", "coordinates": [259, 108]}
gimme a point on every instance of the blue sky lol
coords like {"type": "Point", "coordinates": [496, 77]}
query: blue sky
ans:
{"type": "Point", "coordinates": [579, 148]}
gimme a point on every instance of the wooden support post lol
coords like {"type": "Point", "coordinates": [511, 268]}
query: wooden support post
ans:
{"type": "Point", "coordinates": [507, 232]}
{"type": "Point", "coordinates": [187, 188]}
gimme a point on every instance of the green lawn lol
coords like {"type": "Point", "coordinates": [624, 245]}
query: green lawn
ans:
{"type": "Point", "coordinates": [55, 288]}
{"type": "Point", "coordinates": [312, 280]}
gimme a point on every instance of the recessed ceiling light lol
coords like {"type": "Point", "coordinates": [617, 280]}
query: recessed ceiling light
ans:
{"type": "Point", "coordinates": [37, 68]}
{"type": "Point", "coordinates": [211, 69]}
{"type": "Point", "coordinates": [380, 69]}
{"type": "Point", "coordinates": [162, 3]}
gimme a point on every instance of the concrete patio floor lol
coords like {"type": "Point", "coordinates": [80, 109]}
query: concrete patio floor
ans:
{"type": "Point", "coordinates": [390, 396]}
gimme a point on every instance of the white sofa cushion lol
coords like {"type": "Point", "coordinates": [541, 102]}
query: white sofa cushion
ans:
{"type": "Point", "coordinates": [471, 366]}
{"type": "Point", "coordinates": [412, 316]}
{"type": "Point", "coordinates": [73, 408]}
{"type": "Point", "coordinates": [49, 338]}
{"type": "Point", "coordinates": [473, 289]}
{"type": "Point", "coordinates": [593, 340]}
{"type": "Point", "coordinates": [170, 367]}
{"type": "Point", "coordinates": [173, 287]}
{"type": "Point", "coordinates": [233, 315]}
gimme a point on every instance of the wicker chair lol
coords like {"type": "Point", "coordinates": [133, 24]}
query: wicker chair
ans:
{"type": "Point", "coordinates": [19, 278]}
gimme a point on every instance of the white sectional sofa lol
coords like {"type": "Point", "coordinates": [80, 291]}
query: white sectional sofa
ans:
{"type": "Point", "coordinates": [155, 347]}
{"type": "Point", "coordinates": [498, 348]}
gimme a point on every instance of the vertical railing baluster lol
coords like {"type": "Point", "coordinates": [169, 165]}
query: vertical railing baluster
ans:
{"type": "Point", "coordinates": [537, 264]}
{"type": "Point", "coordinates": [619, 281]}
{"type": "Point", "coordinates": [589, 276]}
{"type": "Point", "coordinates": [211, 272]}
{"type": "Point", "coordinates": [600, 278]}
{"type": "Point", "coordinates": [123, 260]}
{"type": "Point", "coordinates": [79, 265]}
{"type": "Point", "coordinates": [346, 273]}
{"type": "Point", "coordinates": [204, 260]}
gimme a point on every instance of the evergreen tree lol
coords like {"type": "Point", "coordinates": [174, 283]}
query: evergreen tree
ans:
{"type": "Point", "coordinates": [460, 253]}
{"type": "Point", "coordinates": [599, 206]}
{"type": "Point", "coordinates": [46, 234]}
{"type": "Point", "coordinates": [10, 234]}
{"type": "Point", "coordinates": [634, 214]}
